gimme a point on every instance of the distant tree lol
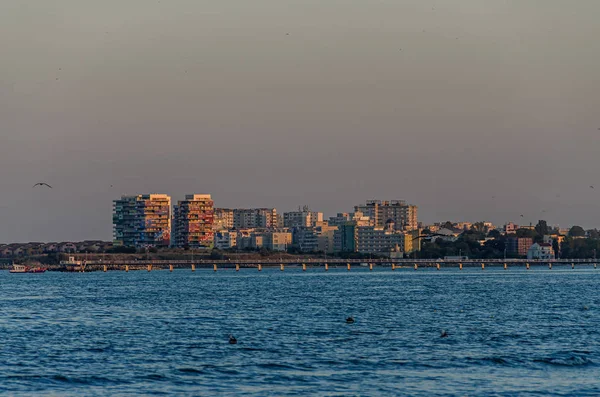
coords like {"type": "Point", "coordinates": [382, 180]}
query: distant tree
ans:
{"type": "Point", "coordinates": [576, 231]}
{"type": "Point", "coordinates": [526, 233]}
{"type": "Point", "coordinates": [448, 225]}
{"type": "Point", "coordinates": [494, 234]}
{"type": "Point", "coordinates": [479, 227]}
{"type": "Point", "coordinates": [542, 228]}
{"type": "Point", "coordinates": [593, 234]}
{"type": "Point", "coordinates": [556, 248]}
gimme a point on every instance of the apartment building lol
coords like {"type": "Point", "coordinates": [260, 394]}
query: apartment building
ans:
{"type": "Point", "coordinates": [402, 214]}
{"type": "Point", "coordinates": [252, 218]}
{"type": "Point", "coordinates": [302, 218]}
{"type": "Point", "coordinates": [223, 219]}
{"type": "Point", "coordinates": [193, 220]}
{"type": "Point", "coordinates": [142, 221]}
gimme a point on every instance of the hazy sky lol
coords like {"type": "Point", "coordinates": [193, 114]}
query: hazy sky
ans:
{"type": "Point", "coordinates": [289, 102]}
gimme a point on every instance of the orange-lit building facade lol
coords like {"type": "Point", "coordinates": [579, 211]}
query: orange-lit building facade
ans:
{"type": "Point", "coordinates": [193, 220]}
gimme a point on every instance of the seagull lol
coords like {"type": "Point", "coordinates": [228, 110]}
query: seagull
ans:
{"type": "Point", "coordinates": [350, 320]}
{"type": "Point", "coordinates": [522, 216]}
{"type": "Point", "coordinates": [232, 340]}
{"type": "Point", "coordinates": [42, 184]}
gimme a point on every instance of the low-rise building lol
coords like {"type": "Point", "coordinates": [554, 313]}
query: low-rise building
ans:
{"type": "Point", "coordinates": [518, 245]}
{"type": "Point", "coordinates": [540, 251]}
{"type": "Point", "coordinates": [226, 239]}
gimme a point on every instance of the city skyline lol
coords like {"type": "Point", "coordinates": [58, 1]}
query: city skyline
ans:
{"type": "Point", "coordinates": [471, 109]}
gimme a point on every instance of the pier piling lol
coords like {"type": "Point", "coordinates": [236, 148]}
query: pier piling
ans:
{"type": "Point", "coordinates": [460, 266]}
{"type": "Point", "coordinates": [237, 267]}
{"type": "Point", "coordinates": [214, 267]}
{"type": "Point", "coordinates": [171, 268]}
{"type": "Point", "coordinates": [281, 267]}
{"type": "Point", "coordinates": [304, 267]}
{"type": "Point", "coordinates": [259, 267]}
{"type": "Point", "coordinates": [193, 267]}
{"type": "Point", "coordinates": [126, 268]}
{"type": "Point", "coordinates": [348, 265]}
{"type": "Point", "coordinates": [416, 266]}
{"type": "Point", "coordinates": [505, 266]}
{"type": "Point", "coordinates": [105, 268]}
{"type": "Point", "coordinates": [550, 266]}
{"type": "Point", "coordinates": [327, 267]}
{"type": "Point", "coordinates": [483, 266]}
{"type": "Point", "coordinates": [370, 266]}
{"type": "Point", "coordinates": [527, 266]}
{"type": "Point", "coordinates": [437, 265]}
{"type": "Point", "coordinates": [393, 266]}
{"type": "Point", "coordinates": [572, 265]}
{"type": "Point", "coordinates": [149, 268]}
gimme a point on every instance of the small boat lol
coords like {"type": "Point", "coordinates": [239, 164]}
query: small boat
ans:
{"type": "Point", "coordinates": [37, 270]}
{"type": "Point", "coordinates": [19, 269]}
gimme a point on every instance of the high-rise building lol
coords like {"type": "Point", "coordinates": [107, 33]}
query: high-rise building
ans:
{"type": "Point", "coordinates": [302, 218]}
{"type": "Point", "coordinates": [255, 218]}
{"type": "Point", "coordinates": [142, 221]}
{"type": "Point", "coordinates": [403, 215]}
{"type": "Point", "coordinates": [223, 219]}
{"type": "Point", "coordinates": [193, 222]}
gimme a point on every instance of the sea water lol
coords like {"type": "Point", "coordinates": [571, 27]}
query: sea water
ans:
{"type": "Point", "coordinates": [511, 332]}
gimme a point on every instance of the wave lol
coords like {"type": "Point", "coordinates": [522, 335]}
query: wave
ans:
{"type": "Point", "coordinates": [570, 361]}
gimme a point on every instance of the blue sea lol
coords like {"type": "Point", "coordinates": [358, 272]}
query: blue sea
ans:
{"type": "Point", "coordinates": [511, 332]}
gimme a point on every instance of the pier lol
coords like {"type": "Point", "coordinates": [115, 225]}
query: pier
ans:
{"type": "Point", "coordinates": [317, 264]}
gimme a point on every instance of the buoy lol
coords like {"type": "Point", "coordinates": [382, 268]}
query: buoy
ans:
{"type": "Point", "coordinates": [437, 265]}
{"type": "Point", "coordinates": [126, 268]}
{"type": "Point", "coordinates": [149, 268]}
{"type": "Point", "coordinates": [326, 267]}
{"type": "Point", "coordinates": [105, 268]}
{"type": "Point", "coordinates": [281, 267]}
{"type": "Point", "coordinates": [393, 266]}
{"type": "Point", "coordinates": [304, 267]}
{"type": "Point", "coordinates": [259, 267]}
{"type": "Point", "coordinates": [215, 267]}
{"type": "Point", "coordinates": [527, 266]}
{"type": "Point", "coordinates": [460, 266]}
{"type": "Point", "coordinates": [416, 266]}
{"type": "Point", "coordinates": [237, 267]}
{"type": "Point", "coordinates": [348, 267]}
{"type": "Point", "coordinates": [193, 267]}
{"type": "Point", "coordinates": [483, 266]}
{"type": "Point", "coordinates": [371, 266]}
{"type": "Point", "coordinates": [170, 268]}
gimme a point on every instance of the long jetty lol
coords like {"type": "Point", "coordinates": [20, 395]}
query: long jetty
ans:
{"type": "Point", "coordinates": [323, 264]}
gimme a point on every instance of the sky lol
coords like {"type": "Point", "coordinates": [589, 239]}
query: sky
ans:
{"type": "Point", "coordinates": [471, 109]}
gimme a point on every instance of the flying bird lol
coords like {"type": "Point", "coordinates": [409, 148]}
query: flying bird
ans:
{"type": "Point", "coordinates": [591, 187]}
{"type": "Point", "coordinates": [522, 216]}
{"type": "Point", "coordinates": [42, 184]}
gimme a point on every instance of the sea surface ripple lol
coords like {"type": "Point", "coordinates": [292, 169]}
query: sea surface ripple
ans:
{"type": "Point", "coordinates": [513, 332]}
